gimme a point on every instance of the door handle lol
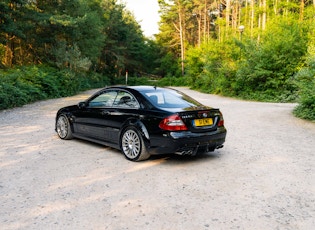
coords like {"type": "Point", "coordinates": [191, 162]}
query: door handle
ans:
{"type": "Point", "coordinates": [105, 112]}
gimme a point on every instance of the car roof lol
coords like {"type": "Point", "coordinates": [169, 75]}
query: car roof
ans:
{"type": "Point", "coordinates": [138, 87]}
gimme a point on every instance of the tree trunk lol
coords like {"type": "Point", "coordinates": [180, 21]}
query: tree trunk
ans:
{"type": "Point", "coordinates": [252, 17]}
{"type": "Point", "coordinates": [9, 51]}
{"type": "Point", "coordinates": [275, 7]}
{"type": "Point", "coordinates": [181, 36]}
{"type": "Point", "coordinates": [260, 15]}
{"type": "Point", "coordinates": [205, 22]}
{"type": "Point", "coordinates": [302, 4]}
{"type": "Point", "coordinates": [198, 17]}
{"type": "Point", "coordinates": [227, 13]}
{"type": "Point", "coordinates": [264, 16]}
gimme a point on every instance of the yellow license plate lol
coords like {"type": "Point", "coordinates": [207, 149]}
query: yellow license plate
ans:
{"type": "Point", "coordinates": [203, 122]}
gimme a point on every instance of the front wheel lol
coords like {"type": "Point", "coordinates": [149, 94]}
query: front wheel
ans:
{"type": "Point", "coordinates": [132, 145]}
{"type": "Point", "coordinates": [63, 128]}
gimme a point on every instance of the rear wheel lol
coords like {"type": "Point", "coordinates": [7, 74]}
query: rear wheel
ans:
{"type": "Point", "coordinates": [132, 145]}
{"type": "Point", "coordinates": [63, 128]}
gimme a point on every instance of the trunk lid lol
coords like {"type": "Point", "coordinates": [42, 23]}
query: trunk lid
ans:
{"type": "Point", "coordinates": [202, 120]}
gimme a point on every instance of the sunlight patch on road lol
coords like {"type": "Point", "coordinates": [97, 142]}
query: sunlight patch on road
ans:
{"type": "Point", "coordinates": [8, 163]}
{"type": "Point", "coordinates": [147, 164]}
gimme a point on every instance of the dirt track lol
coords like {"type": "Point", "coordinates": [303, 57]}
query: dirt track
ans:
{"type": "Point", "coordinates": [263, 178]}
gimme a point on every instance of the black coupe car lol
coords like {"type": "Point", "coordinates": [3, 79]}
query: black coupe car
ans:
{"type": "Point", "coordinates": [143, 121]}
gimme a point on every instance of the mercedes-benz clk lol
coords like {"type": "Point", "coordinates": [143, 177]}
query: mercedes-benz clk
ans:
{"type": "Point", "coordinates": [142, 121]}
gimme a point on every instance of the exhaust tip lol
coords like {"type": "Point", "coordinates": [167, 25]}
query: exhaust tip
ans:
{"type": "Point", "coordinates": [219, 147]}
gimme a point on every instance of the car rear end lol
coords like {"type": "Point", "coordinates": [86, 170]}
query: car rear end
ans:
{"type": "Point", "coordinates": [184, 126]}
{"type": "Point", "coordinates": [192, 132]}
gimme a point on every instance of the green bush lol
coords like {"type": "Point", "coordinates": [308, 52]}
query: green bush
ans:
{"type": "Point", "coordinates": [268, 68]}
{"type": "Point", "coordinates": [257, 69]}
{"type": "Point", "coordinates": [166, 81]}
{"type": "Point", "coordinates": [132, 81]}
{"type": "Point", "coordinates": [11, 96]}
{"type": "Point", "coordinates": [305, 79]}
{"type": "Point", "coordinates": [172, 81]}
{"type": "Point", "coordinates": [211, 68]}
{"type": "Point", "coordinates": [26, 84]}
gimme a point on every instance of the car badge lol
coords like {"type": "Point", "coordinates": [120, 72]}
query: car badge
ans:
{"type": "Point", "coordinates": [204, 115]}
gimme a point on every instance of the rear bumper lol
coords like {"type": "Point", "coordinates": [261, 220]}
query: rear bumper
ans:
{"type": "Point", "coordinates": [187, 143]}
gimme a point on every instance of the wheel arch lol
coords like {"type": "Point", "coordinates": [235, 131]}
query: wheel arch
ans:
{"type": "Point", "coordinates": [68, 116]}
{"type": "Point", "coordinates": [141, 129]}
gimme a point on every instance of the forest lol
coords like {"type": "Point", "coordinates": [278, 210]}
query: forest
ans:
{"type": "Point", "coordinates": [255, 50]}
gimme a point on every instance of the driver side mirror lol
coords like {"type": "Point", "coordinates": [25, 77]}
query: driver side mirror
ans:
{"type": "Point", "coordinates": [82, 105]}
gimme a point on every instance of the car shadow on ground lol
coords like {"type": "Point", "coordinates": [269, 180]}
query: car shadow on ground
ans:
{"type": "Point", "coordinates": [167, 158]}
{"type": "Point", "coordinates": [175, 158]}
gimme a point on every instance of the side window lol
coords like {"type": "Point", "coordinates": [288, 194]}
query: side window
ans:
{"type": "Point", "coordinates": [126, 100]}
{"type": "Point", "coordinates": [105, 99]}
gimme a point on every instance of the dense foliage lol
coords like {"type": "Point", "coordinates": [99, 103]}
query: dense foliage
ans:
{"type": "Point", "coordinates": [59, 47]}
{"type": "Point", "coordinates": [31, 83]}
{"type": "Point", "coordinates": [246, 49]}
{"type": "Point", "coordinates": [257, 50]}
{"type": "Point", "coordinates": [28, 84]}
{"type": "Point", "coordinates": [305, 79]}
{"type": "Point", "coordinates": [268, 68]}
{"type": "Point", "coordinates": [98, 35]}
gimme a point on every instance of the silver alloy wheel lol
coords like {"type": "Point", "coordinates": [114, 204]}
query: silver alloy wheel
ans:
{"type": "Point", "coordinates": [62, 127]}
{"type": "Point", "coordinates": [131, 144]}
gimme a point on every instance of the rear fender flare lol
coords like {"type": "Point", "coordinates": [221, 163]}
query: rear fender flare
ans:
{"type": "Point", "coordinates": [140, 127]}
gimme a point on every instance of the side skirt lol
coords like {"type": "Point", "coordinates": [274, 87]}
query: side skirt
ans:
{"type": "Point", "coordinates": [109, 144]}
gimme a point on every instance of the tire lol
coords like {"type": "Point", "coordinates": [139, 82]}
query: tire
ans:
{"type": "Point", "coordinates": [132, 145]}
{"type": "Point", "coordinates": [63, 128]}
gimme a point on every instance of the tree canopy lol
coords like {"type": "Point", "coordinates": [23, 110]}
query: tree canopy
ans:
{"type": "Point", "coordinates": [250, 49]}
{"type": "Point", "coordinates": [95, 35]}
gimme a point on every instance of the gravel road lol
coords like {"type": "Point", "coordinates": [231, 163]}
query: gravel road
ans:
{"type": "Point", "coordinates": [263, 178]}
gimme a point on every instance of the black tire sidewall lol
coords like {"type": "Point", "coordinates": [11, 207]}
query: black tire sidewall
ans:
{"type": "Point", "coordinates": [69, 131]}
{"type": "Point", "coordinates": [142, 153]}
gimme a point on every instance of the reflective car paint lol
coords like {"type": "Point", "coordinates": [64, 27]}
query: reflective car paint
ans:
{"type": "Point", "coordinates": [165, 118]}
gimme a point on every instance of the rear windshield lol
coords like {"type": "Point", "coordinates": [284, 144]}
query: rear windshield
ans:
{"type": "Point", "coordinates": [168, 98]}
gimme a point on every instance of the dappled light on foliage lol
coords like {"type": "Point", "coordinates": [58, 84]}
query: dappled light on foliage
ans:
{"type": "Point", "coordinates": [251, 50]}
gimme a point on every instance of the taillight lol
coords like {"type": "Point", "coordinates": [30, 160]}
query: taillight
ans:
{"type": "Point", "coordinates": [172, 123]}
{"type": "Point", "coordinates": [221, 121]}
